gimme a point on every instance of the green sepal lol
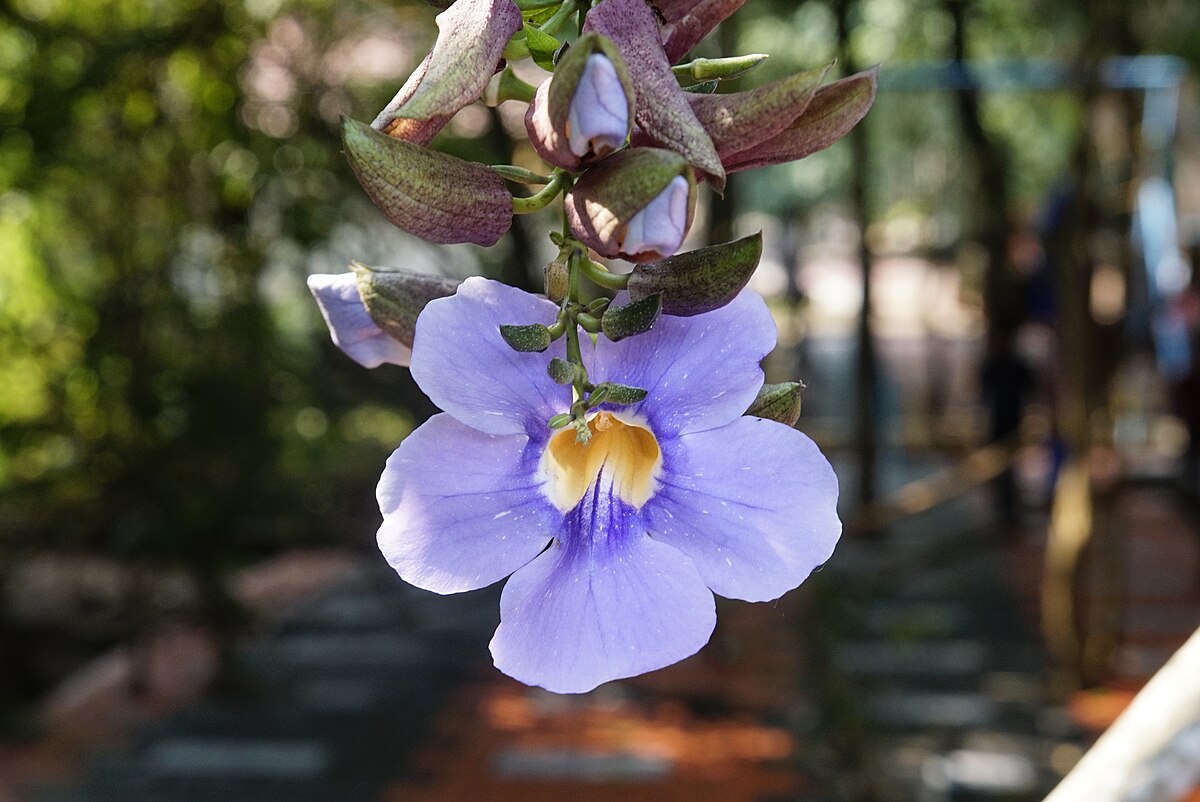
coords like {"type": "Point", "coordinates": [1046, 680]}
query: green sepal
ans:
{"type": "Point", "coordinates": [562, 371]}
{"type": "Point", "coordinates": [619, 394]}
{"type": "Point", "coordinates": [778, 402]}
{"type": "Point", "coordinates": [698, 281]}
{"type": "Point", "coordinates": [559, 421]}
{"type": "Point", "coordinates": [532, 338]}
{"type": "Point", "coordinates": [598, 396]}
{"type": "Point", "coordinates": [541, 47]}
{"type": "Point", "coordinates": [620, 322]}
{"type": "Point", "coordinates": [394, 297]}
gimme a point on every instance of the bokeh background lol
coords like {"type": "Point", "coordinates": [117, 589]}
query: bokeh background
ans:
{"type": "Point", "coordinates": [991, 290]}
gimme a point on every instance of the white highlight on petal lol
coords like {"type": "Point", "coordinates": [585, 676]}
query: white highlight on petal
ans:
{"type": "Point", "coordinates": [598, 119]}
{"type": "Point", "coordinates": [659, 227]}
{"type": "Point", "coordinates": [350, 326]}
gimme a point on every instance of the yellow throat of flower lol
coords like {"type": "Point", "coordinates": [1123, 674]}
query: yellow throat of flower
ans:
{"type": "Point", "coordinates": [626, 453]}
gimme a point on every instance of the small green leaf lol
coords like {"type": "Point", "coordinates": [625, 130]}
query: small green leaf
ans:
{"type": "Point", "coordinates": [559, 421]}
{"type": "Point", "coordinates": [599, 395]}
{"type": "Point", "coordinates": [778, 402]}
{"type": "Point", "coordinates": [561, 371]}
{"type": "Point", "coordinates": [702, 88]}
{"type": "Point", "coordinates": [622, 394]}
{"type": "Point", "coordinates": [531, 338]}
{"type": "Point", "coordinates": [620, 322]}
{"type": "Point", "coordinates": [541, 47]}
{"type": "Point", "coordinates": [701, 280]}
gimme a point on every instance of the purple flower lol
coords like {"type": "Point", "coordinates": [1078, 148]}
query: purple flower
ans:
{"type": "Point", "coordinates": [614, 548]}
{"type": "Point", "coordinates": [350, 325]}
{"type": "Point", "coordinates": [598, 119]}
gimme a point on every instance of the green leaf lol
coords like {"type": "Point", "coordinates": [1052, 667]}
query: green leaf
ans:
{"type": "Point", "coordinates": [561, 371]}
{"type": "Point", "coordinates": [778, 402]}
{"type": "Point", "coordinates": [559, 421]}
{"type": "Point", "coordinates": [541, 47]}
{"type": "Point", "coordinates": [620, 322]}
{"type": "Point", "coordinates": [532, 338]}
{"type": "Point", "coordinates": [622, 394]}
{"type": "Point", "coordinates": [698, 281]}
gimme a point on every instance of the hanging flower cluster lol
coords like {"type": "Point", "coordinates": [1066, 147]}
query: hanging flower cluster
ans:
{"type": "Point", "coordinates": [619, 459]}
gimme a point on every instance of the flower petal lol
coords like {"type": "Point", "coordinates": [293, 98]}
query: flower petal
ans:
{"type": "Point", "coordinates": [350, 326]}
{"type": "Point", "coordinates": [463, 364]}
{"type": "Point", "coordinates": [602, 603]}
{"type": "Point", "coordinates": [754, 504]}
{"type": "Point", "coordinates": [471, 36]}
{"type": "Point", "coordinates": [462, 509]}
{"type": "Point", "coordinates": [834, 110]}
{"type": "Point", "coordinates": [686, 22]}
{"type": "Point", "coordinates": [662, 108]}
{"type": "Point", "coordinates": [436, 196]}
{"type": "Point", "coordinates": [701, 371]}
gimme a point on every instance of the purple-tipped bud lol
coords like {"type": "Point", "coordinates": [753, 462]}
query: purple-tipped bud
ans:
{"type": "Point", "coordinates": [661, 226]}
{"type": "Point", "coordinates": [585, 110]}
{"type": "Point", "coordinates": [350, 325]}
{"type": "Point", "coordinates": [636, 204]}
{"type": "Point", "coordinates": [598, 120]}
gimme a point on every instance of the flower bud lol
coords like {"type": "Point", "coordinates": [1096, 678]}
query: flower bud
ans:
{"type": "Point", "coordinates": [557, 279]}
{"type": "Point", "coordinates": [636, 204]}
{"type": "Point", "coordinates": [598, 119]}
{"type": "Point", "coordinates": [585, 110]}
{"type": "Point", "coordinates": [350, 326]}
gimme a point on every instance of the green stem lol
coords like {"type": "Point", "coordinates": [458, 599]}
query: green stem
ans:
{"type": "Point", "coordinates": [599, 275]}
{"type": "Point", "coordinates": [515, 173]}
{"type": "Point", "coordinates": [535, 203]}
{"type": "Point", "coordinates": [555, 22]}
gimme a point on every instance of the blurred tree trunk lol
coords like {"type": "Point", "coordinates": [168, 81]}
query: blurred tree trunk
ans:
{"type": "Point", "coordinates": [866, 408]}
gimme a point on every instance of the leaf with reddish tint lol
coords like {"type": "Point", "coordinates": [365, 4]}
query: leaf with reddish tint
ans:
{"type": "Point", "coordinates": [433, 195]}
{"type": "Point", "coordinates": [395, 297]}
{"type": "Point", "coordinates": [662, 109]}
{"type": "Point", "coordinates": [686, 22]}
{"type": "Point", "coordinates": [740, 120]}
{"type": "Point", "coordinates": [778, 402]}
{"type": "Point", "coordinates": [604, 200]}
{"type": "Point", "coordinates": [471, 36]}
{"type": "Point", "coordinates": [698, 281]}
{"type": "Point", "coordinates": [835, 110]}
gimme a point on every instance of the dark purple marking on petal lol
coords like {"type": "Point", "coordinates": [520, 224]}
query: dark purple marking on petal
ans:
{"type": "Point", "coordinates": [603, 602]}
{"type": "Point", "coordinates": [462, 363]}
{"type": "Point", "coordinates": [471, 38]}
{"type": "Point", "coordinates": [700, 372]}
{"type": "Point", "coordinates": [662, 109]}
{"type": "Point", "coordinates": [754, 504]}
{"type": "Point", "coordinates": [462, 509]}
{"type": "Point", "coordinates": [835, 110]}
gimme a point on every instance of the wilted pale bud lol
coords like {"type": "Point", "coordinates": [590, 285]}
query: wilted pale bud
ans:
{"type": "Point", "coordinates": [350, 325]}
{"type": "Point", "coordinates": [637, 204]}
{"type": "Point", "coordinates": [585, 110]}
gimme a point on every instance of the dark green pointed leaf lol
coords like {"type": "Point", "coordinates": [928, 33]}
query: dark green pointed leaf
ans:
{"type": "Point", "coordinates": [561, 371]}
{"type": "Point", "coordinates": [394, 297]}
{"type": "Point", "coordinates": [623, 394]}
{"type": "Point", "coordinates": [702, 88]}
{"type": "Point", "coordinates": [620, 322]}
{"type": "Point", "coordinates": [778, 402]}
{"type": "Point", "coordinates": [534, 337]}
{"type": "Point", "coordinates": [698, 281]}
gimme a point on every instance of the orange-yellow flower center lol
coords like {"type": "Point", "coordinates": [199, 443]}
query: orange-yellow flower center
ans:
{"type": "Point", "coordinates": [625, 454]}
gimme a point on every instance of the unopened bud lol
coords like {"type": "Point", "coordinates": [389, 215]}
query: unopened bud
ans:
{"type": "Point", "coordinates": [350, 325]}
{"type": "Point", "coordinates": [557, 279]}
{"type": "Point", "coordinates": [660, 227]}
{"type": "Point", "coordinates": [598, 120]}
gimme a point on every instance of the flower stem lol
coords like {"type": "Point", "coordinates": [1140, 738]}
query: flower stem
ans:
{"type": "Point", "coordinates": [600, 275]}
{"type": "Point", "coordinates": [564, 13]}
{"type": "Point", "coordinates": [539, 201]}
